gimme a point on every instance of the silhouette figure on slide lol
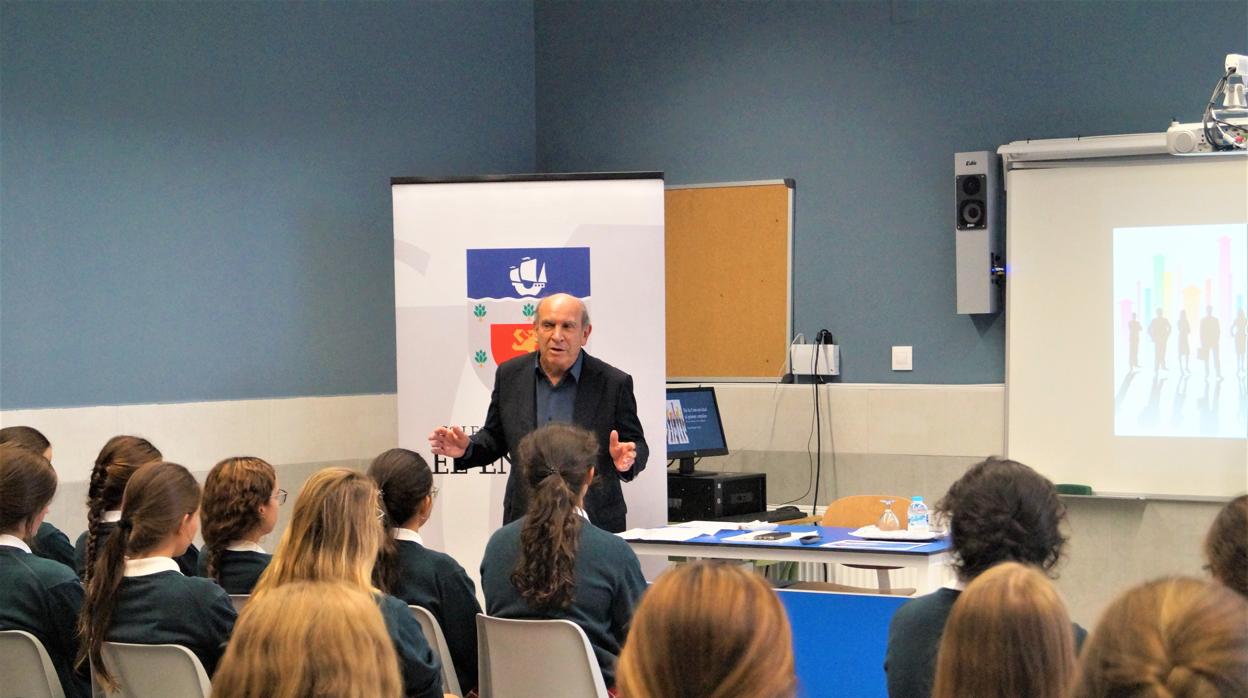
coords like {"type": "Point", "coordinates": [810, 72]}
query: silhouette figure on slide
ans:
{"type": "Point", "coordinates": [1210, 331]}
{"type": "Point", "coordinates": [1159, 332]}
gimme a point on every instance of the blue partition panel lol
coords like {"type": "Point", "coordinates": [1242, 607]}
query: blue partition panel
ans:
{"type": "Point", "coordinates": [839, 641]}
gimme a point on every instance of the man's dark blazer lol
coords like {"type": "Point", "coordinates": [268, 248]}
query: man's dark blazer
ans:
{"type": "Point", "coordinates": [604, 401]}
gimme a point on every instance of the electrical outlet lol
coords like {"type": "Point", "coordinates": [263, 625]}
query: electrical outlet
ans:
{"type": "Point", "coordinates": [903, 358]}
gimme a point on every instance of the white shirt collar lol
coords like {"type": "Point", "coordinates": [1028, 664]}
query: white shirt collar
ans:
{"type": "Point", "coordinates": [582, 512]}
{"type": "Point", "coordinates": [408, 535]}
{"type": "Point", "coordinates": [956, 585]}
{"type": "Point", "coordinates": [150, 565]}
{"type": "Point", "coordinates": [111, 516]}
{"type": "Point", "coordinates": [244, 546]}
{"type": "Point", "coordinates": [13, 542]}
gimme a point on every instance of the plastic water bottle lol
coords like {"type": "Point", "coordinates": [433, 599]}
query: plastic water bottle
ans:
{"type": "Point", "coordinates": [918, 520]}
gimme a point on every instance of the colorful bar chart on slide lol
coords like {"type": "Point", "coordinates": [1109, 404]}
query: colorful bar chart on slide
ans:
{"type": "Point", "coordinates": [1179, 329]}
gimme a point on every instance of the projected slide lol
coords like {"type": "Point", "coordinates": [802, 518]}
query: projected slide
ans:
{"type": "Point", "coordinates": [677, 431]}
{"type": "Point", "coordinates": [1180, 330]}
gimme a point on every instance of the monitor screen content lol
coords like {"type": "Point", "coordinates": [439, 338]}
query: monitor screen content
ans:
{"type": "Point", "coordinates": [694, 428]}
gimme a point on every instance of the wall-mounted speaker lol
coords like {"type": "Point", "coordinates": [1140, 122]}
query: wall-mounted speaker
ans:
{"type": "Point", "coordinates": [977, 229]}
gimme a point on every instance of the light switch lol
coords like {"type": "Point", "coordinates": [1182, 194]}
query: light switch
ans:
{"type": "Point", "coordinates": [903, 358]}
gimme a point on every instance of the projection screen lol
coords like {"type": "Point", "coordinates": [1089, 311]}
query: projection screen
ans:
{"type": "Point", "coordinates": [1125, 358]}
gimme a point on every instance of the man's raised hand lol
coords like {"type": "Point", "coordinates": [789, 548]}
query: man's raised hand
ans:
{"type": "Point", "coordinates": [450, 441]}
{"type": "Point", "coordinates": [622, 454]}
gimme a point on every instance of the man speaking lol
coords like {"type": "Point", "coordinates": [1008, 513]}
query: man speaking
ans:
{"type": "Point", "coordinates": [560, 383]}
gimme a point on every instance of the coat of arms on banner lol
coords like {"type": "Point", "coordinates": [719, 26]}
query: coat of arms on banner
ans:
{"type": "Point", "coordinates": [504, 288]}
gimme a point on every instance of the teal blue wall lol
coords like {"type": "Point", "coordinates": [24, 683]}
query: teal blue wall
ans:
{"type": "Point", "coordinates": [865, 109]}
{"type": "Point", "coordinates": [195, 197]}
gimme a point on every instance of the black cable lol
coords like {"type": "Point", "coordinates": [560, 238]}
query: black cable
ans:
{"type": "Point", "coordinates": [814, 384]}
{"type": "Point", "coordinates": [810, 466]}
{"type": "Point", "coordinates": [1208, 115]}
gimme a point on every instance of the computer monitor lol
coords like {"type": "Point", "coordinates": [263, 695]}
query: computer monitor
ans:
{"type": "Point", "coordinates": [694, 428]}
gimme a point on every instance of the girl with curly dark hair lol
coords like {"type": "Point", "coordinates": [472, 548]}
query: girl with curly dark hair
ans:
{"type": "Point", "coordinates": [1226, 546]}
{"type": "Point", "coordinates": [998, 511]}
{"type": "Point", "coordinates": [552, 562]}
{"type": "Point", "coordinates": [239, 508]}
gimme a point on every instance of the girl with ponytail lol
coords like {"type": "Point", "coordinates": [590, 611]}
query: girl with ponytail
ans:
{"type": "Point", "coordinates": [552, 562]}
{"type": "Point", "coordinates": [239, 508]}
{"type": "Point", "coordinates": [136, 592]}
{"type": "Point", "coordinates": [38, 596]}
{"type": "Point", "coordinates": [118, 460]}
{"type": "Point", "coordinates": [334, 535]}
{"type": "Point", "coordinates": [416, 574]}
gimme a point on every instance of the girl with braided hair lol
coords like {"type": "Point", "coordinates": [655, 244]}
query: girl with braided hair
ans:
{"type": "Point", "coordinates": [1169, 638]}
{"type": "Point", "coordinates": [118, 460]}
{"type": "Point", "coordinates": [418, 575]}
{"type": "Point", "coordinates": [554, 563]}
{"type": "Point", "coordinates": [239, 508]}
{"type": "Point", "coordinates": [136, 593]}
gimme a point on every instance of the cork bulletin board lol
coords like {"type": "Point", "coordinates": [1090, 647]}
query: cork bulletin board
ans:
{"type": "Point", "coordinates": [729, 257]}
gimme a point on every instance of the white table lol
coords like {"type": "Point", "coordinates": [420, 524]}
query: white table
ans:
{"type": "Point", "coordinates": [931, 561]}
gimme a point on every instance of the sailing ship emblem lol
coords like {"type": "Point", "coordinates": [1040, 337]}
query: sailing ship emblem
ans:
{"type": "Point", "coordinates": [526, 278]}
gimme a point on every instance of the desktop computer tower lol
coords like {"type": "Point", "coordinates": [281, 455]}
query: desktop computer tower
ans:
{"type": "Point", "coordinates": [714, 495]}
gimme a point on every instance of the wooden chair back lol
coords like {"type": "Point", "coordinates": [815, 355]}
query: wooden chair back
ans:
{"type": "Point", "coordinates": [860, 510]}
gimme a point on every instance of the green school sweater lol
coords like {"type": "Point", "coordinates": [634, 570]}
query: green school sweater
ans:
{"type": "Point", "coordinates": [51, 544]}
{"type": "Point", "coordinates": [188, 562]}
{"type": "Point", "coordinates": [436, 582]}
{"type": "Point", "coordinates": [171, 608]}
{"type": "Point", "coordinates": [422, 672]}
{"type": "Point", "coordinates": [43, 598]}
{"type": "Point", "coordinates": [609, 584]}
{"type": "Point", "coordinates": [239, 570]}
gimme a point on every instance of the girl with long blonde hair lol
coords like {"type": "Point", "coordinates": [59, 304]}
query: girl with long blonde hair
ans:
{"type": "Point", "coordinates": [708, 630]}
{"type": "Point", "coordinates": [1008, 635]}
{"type": "Point", "coordinates": [239, 508]}
{"type": "Point", "coordinates": [334, 535]}
{"type": "Point", "coordinates": [324, 639]}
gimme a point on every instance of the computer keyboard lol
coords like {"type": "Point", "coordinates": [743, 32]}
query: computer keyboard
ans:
{"type": "Point", "coordinates": [785, 513]}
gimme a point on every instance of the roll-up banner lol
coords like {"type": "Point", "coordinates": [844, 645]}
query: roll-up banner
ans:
{"type": "Point", "coordinates": [472, 258]}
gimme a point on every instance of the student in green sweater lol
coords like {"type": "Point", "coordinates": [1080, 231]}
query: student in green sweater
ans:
{"type": "Point", "coordinates": [39, 596]}
{"type": "Point", "coordinates": [334, 535]}
{"type": "Point", "coordinates": [118, 460]}
{"type": "Point", "coordinates": [416, 574]}
{"type": "Point", "coordinates": [49, 542]}
{"type": "Point", "coordinates": [552, 562]}
{"type": "Point", "coordinates": [240, 507]}
{"type": "Point", "coordinates": [136, 593]}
